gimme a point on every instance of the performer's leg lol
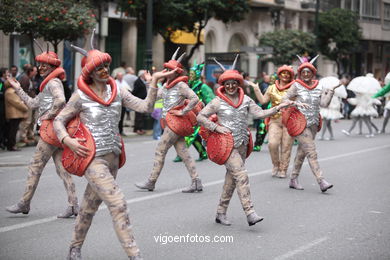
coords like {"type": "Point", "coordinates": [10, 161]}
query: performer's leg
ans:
{"type": "Point", "coordinates": [309, 149]}
{"type": "Point", "coordinates": [275, 131]}
{"type": "Point", "coordinates": [324, 127]}
{"type": "Point", "coordinates": [227, 193]}
{"type": "Point", "coordinates": [354, 121]}
{"type": "Point", "coordinates": [360, 125]}
{"type": "Point", "coordinates": [182, 151]}
{"type": "Point", "coordinates": [102, 186]}
{"type": "Point", "coordinates": [168, 139]}
{"type": "Point", "coordinates": [298, 161]}
{"type": "Point", "coordinates": [286, 147]}
{"type": "Point", "coordinates": [330, 129]}
{"type": "Point", "coordinates": [366, 120]}
{"type": "Point", "coordinates": [386, 119]}
{"type": "Point", "coordinates": [200, 148]}
{"type": "Point", "coordinates": [236, 167]}
{"type": "Point", "coordinates": [373, 125]}
{"type": "Point", "coordinates": [70, 188]}
{"type": "Point", "coordinates": [42, 154]}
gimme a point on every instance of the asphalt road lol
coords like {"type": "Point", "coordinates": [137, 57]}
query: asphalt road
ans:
{"type": "Point", "coordinates": [350, 221]}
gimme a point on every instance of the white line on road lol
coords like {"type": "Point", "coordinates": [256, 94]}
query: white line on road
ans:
{"type": "Point", "coordinates": [8, 157]}
{"type": "Point", "coordinates": [301, 249]}
{"type": "Point", "coordinates": [27, 224]}
{"type": "Point", "coordinates": [23, 180]}
{"type": "Point", "coordinates": [167, 193]}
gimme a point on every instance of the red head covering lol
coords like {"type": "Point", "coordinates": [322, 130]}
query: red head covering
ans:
{"type": "Point", "coordinates": [94, 59]}
{"type": "Point", "coordinates": [48, 57]}
{"type": "Point", "coordinates": [231, 75]}
{"type": "Point", "coordinates": [175, 64]}
{"type": "Point", "coordinates": [286, 68]}
{"type": "Point", "coordinates": [307, 65]}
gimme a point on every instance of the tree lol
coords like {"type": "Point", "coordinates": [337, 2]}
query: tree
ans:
{"type": "Point", "coordinates": [53, 20]}
{"type": "Point", "coordinates": [287, 44]}
{"type": "Point", "coordinates": [189, 16]}
{"type": "Point", "coordinates": [339, 36]}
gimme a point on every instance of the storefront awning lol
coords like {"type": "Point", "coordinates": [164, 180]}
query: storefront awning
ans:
{"type": "Point", "coordinates": [183, 37]}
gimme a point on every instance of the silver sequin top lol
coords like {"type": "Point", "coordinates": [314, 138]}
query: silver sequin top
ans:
{"type": "Point", "coordinates": [312, 98]}
{"type": "Point", "coordinates": [102, 121]}
{"type": "Point", "coordinates": [46, 99]}
{"type": "Point", "coordinates": [172, 98]}
{"type": "Point", "coordinates": [235, 119]}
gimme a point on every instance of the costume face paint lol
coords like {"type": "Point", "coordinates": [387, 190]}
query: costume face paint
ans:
{"type": "Point", "coordinates": [306, 75]}
{"type": "Point", "coordinates": [44, 69]}
{"type": "Point", "coordinates": [101, 73]}
{"type": "Point", "coordinates": [231, 87]}
{"type": "Point", "coordinates": [285, 76]}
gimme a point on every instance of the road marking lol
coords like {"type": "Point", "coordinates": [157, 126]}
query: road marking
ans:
{"type": "Point", "coordinates": [7, 157]}
{"type": "Point", "coordinates": [167, 193]}
{"type": "Point", "coordinates": [23, 180]}
{"type": "Point", "coordinates": [301, 249]}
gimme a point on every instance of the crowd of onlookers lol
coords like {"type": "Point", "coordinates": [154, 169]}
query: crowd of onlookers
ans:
{"type": "Point", "coordinates": [18, 123]}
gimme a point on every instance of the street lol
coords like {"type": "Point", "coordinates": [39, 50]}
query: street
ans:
{"type": "Point", "coordinates": [349, 221]}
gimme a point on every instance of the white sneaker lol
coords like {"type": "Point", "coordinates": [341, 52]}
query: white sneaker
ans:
{"type": "Point", "coordinates": [346, 132]}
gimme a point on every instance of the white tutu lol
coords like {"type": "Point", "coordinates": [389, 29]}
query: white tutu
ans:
{"type": "Point", "coordinates": [332, 112]}
{"type": "Point", "coordinates": [364, 105]}
{"type": "Point", "coordinates": [364, 111]}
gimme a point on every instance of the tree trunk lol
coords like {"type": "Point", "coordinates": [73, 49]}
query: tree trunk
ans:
{"type": "Point", "coordinates": [196, 46]}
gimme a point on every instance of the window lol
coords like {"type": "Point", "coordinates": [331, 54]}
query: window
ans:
{"type": "Point", "coordinates": [370, 10]}
{"type": "Point", "coordinates": [236, 42]}
{"type": "Point", "coordinates": [386, 16]}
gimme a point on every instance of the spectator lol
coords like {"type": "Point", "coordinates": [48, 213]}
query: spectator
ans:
{"type": "Point", "coordinates": [3, 76]}
{"type": "Point", "coordinates": [140, 91]}
{"type": "Point", "coordinates": [15, 111]}
{"type": "Point", "coordinates": [130, 77]}
{"type": "Point", "coordinates": [121, 84]}
{"type": "Point", "coordinates": [121, 68]}
{"type": "Point", "coordinates": [14, 71]}
{"type": "Point", "coordinates": [27, 125]}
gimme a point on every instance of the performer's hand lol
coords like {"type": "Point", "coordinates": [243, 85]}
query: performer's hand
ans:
{"type": "Point", "coordinates": [255, 86]}
{"type": "Point", "coordinates": [222, 130]}
{"type": "Point", "coordinates": [286, 103]}
{"type": "Point", "coordinates": [148, 76]}
{"type": "Point", "coordinates": [301, 105]}
{"type": "Point", "coordinates": [75, 146]}
{"type": "Point", "coordinates": [343, 81]}
{"type": "Point", "coordinates": [13, 82]}
{"type": "Point", "coordinates": [176, 112]}
{"type": "Point", "coordinates": [162, 74]}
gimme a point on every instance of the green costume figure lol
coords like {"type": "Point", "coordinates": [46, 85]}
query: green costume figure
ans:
{"type": "Point", "coordinates": [205, 94]}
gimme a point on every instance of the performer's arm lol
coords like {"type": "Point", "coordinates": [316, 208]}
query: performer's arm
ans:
{"type": "Point", "coordinates": [210, 109]}
{"type": "Point", "coordinates": [187, 92]}
{"type": "Point", "coordinates": [72, 109]}
{"type": "Point", "coordinates": [326, 97]}
{"type": "Point", "coordinates": [263, 99]}
{"type": "Point", "coordinates": [291, 93]}
{"type": "Point", "coordinates": [32, 103]}
{"type": "Point", "coordinates": [257, 112]}
{"type": "Point", "coordinates": [57, 90]}
{"type": "Point", "coordinates": [383, 91]}
{"type": "Point", "coordinates": [140, 105]}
